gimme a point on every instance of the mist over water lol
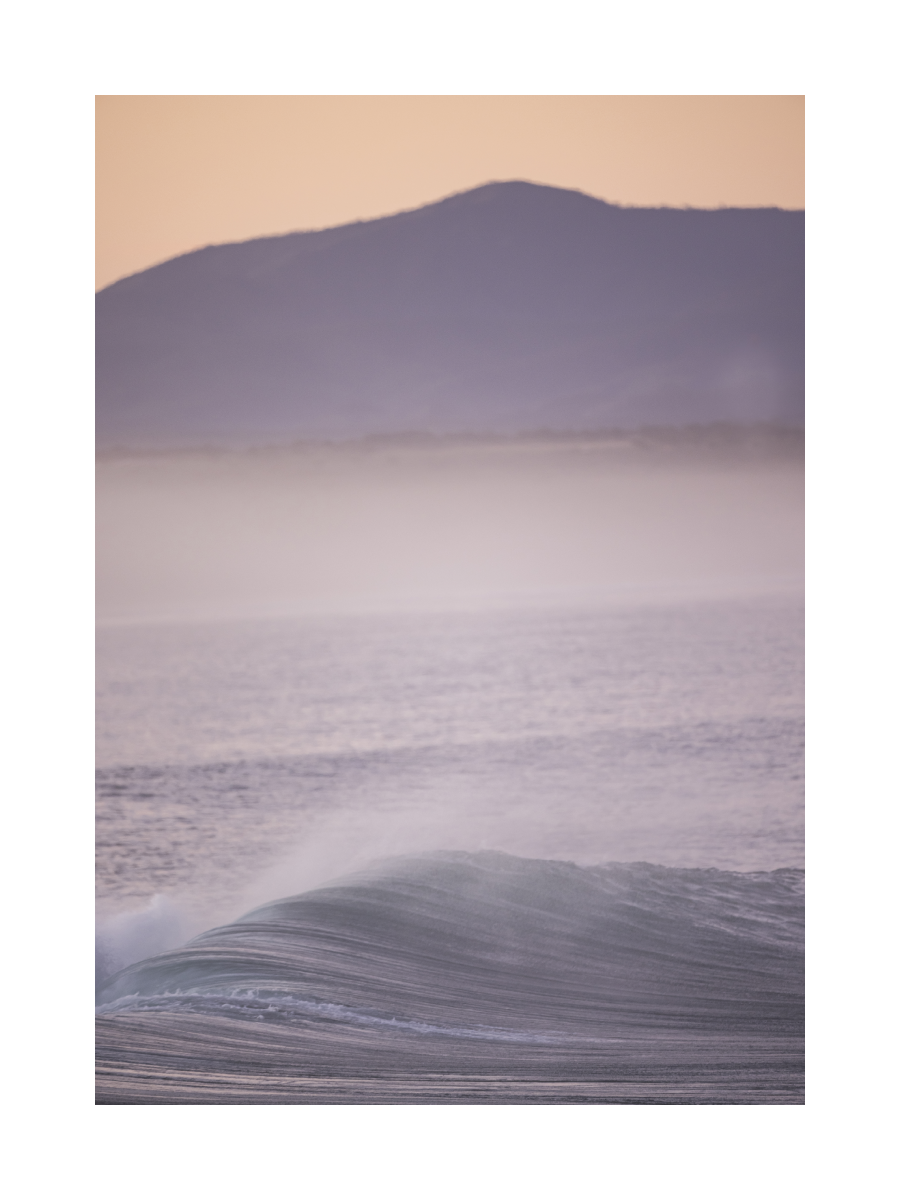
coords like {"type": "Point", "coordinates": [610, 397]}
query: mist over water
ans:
{"type": "Point", "coordinates": [388, 526]}
{"type": "Point", "coordinates": [321, 663]}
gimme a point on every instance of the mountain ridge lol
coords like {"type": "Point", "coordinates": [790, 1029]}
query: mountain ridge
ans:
{"type": "Point", "coordinates": [502, 309]}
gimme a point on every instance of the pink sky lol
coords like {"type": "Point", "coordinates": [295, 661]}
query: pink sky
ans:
{"type": "Point", "coordinates": [178, 172]}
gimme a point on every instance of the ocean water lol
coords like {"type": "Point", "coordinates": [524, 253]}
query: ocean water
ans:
{"type": "Point", "coordinates": [474, 857]}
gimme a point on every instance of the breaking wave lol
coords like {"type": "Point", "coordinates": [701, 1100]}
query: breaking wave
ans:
{"type": "Point", "coordinates": [411, 961]}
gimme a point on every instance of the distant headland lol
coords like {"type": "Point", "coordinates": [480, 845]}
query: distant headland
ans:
{"type": "Point", "coordinates": [509, 309]}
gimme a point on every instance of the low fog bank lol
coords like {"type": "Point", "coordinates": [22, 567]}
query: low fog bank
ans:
{"type": "Point", "coordinates": [430, 523]}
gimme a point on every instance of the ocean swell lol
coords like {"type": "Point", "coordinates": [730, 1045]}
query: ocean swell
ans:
{"type": "Point", "coordinates": [419, 963]}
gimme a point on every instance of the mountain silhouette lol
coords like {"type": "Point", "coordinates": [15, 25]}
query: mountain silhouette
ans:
{"type": "Point", "coordinates": [507, 309]}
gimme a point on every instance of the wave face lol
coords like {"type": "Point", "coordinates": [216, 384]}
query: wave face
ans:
{"type": "Point", "coordinates": [453, 977]}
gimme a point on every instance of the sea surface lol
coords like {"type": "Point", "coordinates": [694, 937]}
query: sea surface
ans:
{"type": "Point", "coordinates": [548, 856]}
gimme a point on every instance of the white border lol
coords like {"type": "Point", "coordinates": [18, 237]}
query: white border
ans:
{"type": "Point", "coordinates": [57, 58]}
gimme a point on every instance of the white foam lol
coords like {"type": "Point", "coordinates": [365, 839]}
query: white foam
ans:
{"type": "Point", "coordinates": [129, 937]}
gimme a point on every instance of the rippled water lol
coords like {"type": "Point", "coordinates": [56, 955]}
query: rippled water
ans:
{"type": "Point", "coordinates": [499, 761]}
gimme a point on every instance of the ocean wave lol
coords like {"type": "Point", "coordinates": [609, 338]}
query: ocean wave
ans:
{"type": "Point", "coordinates": [261, 1005]}
{"type": "Point", "coordinates": [475, 978]}
{"type": "Point", "coordinates": [553, 947]}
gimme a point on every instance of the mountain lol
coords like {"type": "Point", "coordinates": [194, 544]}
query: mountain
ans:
{"type": "Point", "coordinates": [506, 309]}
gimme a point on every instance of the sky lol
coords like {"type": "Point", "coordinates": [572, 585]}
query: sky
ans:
{"type": "Point", "coordinates": [174, 173]}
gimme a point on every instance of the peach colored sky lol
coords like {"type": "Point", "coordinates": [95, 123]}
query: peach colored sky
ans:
{"type": "Point", "coordinates": [178, 172]}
